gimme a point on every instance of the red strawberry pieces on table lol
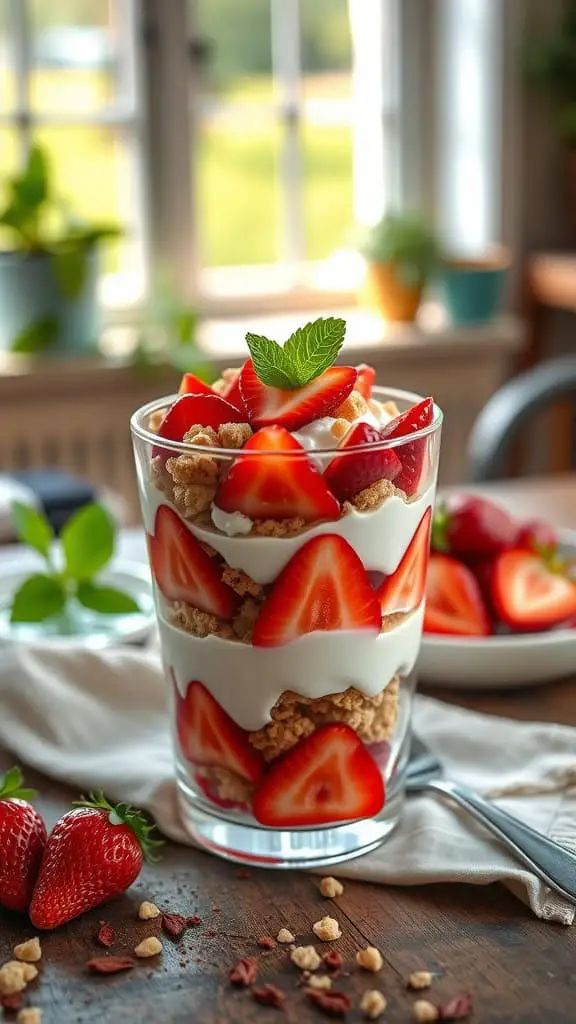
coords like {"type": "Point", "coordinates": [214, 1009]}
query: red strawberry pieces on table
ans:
{"type": "Point", "coordinates": [209, 737]}
{"type": "Point", "coordinates": [454, 604]}
{"type": "Point", "coordinates": [329, 776]}
{"type": "Point", "coordinates": [94, 853]}
{"type": "Point", "coordinates": [183, 570]}
{"type": "Point", "coordinates": [531, 594]}
{"type": "Point", "coordinates": [472, 527]}
{"type": "Point", "coordinates": [347, 475]}
{"type": "Point", "coordinates": [296, 407]}
{"type": "Point", "coordinates": [22, 841]}
{"type": "Point", "coordinates": [323, 587]}
{"type": "Point", "coordinates": [412, 454]}
{"type": "Point", "coordinates": [274, 486]}
{"type": "Point", "coordinates": [404, 590]}
{"type": "Point", "coordinates": [365, 380]}
{"type": "Point", "coordinates": [208, 410]}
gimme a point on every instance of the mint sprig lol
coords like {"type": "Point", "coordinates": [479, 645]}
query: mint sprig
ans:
{"type": "Point", "coordinates": [87, 540]}
{"type": "Point", "coordinates": [306, 354]}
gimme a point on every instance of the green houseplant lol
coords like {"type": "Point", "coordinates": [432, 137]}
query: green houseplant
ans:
{"type": "Point", "coordinates": [401, 253]}
{"type": "Point", "coordinates": [48, 266]}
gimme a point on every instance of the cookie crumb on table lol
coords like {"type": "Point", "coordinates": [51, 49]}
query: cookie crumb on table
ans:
{"type": "Point", "coordinates": [306, 958]}
{"type": "Point", "coordinates": [12, 978]}
{"type": "Point", "coordinates": [148, 911]}
{"type": "Point", "coordinates": [29, 1015]}
{"type": "Point", "coordinates": [30, 952]}
{"type": "Point", "coordinates": [373, 1004]}
{"type": "Point", "coordinates": [370, 959]}
{"type": "Point", "coordinates": [331, 887]}
{"type": "Point", "coordinates": [327, 929]}
{"type": "Point", "coordinates": [319, 981]}
{"type": "Point", "coordinates": [420, 980]}
{"type": "Point", "coordinates": [424, 1012]}
{"type": "Point", "coordinates": [148, 947]}
{"type": "Point", "coordinates": [284, 936]}
{"type": "Point", "coordinates": [30, 972]}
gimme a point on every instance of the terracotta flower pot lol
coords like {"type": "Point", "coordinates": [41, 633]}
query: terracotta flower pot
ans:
{"type": "Point", "coordinates": [396, 300]}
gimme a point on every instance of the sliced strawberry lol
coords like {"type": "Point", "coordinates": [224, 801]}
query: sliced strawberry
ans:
{"type": "Point", "coordinates": [208, 736]}
{"type": "Point", "coordinates": [329, 776]}
{"type": "Point", "coordinates": [365, 380]}
{"type": "Point", "coordinates": [192, 385]}
{"type": "Point", "coordinates": [293, 409]}
{"type": "Point", "coordinates": [208, 410]}
{"type": "Point", "coordinates": [528, 595]}
{"type": "Point", "coordinates": [323, 587]}
{"type": "Point", "coordinates": [404, 590]}
{"type": "Point", "coordinates": [538, 536]}
{"type": "Point", "coordinates": [470, 527]}
{"type": "Point", "coordinates": [276, 486]}
{"type": "Point", "coordinates": [232, 392]}
{"type": "Point", "coordinates": [412, 455]}
{"type": "Point", "coordinates": [183, 570]}
{"type": "Point", "coordinates": [347, 475]}
{"type": "Point", "coordinates": [454, 603]}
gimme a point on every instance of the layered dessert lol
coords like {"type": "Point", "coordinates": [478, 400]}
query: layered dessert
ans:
{"type": "Point", "coordinates": [288, 509]}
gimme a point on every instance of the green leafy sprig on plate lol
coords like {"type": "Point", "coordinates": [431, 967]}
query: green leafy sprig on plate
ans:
{"type": "Point", "coordinates": [87, 543]}
{"type": "Point", "coordinates": [305, 355]}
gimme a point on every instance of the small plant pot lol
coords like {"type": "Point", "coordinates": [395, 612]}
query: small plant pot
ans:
{"type": "Point", "coordinates": [32, 302]}
{"type": "Point", "coordinates": [396, 300]}
{"type": "Point", "coordinates": [472, 289]}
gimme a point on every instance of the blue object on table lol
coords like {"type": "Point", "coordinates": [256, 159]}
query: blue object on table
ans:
{"type": "Point", "coordinates": [473, 289]}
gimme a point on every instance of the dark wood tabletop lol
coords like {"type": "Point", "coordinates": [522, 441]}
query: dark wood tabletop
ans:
{"type": "Point", "coordinates": [476, 939]}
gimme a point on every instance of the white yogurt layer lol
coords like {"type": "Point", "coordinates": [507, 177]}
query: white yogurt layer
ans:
{"type": "Point", "coordinates": [231, 523]}
{"type": "Point", "coordinates": [247, 681]}
{"type": "Point", "coordinates": [318, 434]}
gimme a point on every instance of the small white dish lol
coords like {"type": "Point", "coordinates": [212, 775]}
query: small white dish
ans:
{"type": "Point", "coordinates": [497, 662]}
{"type": "Point", "coordinates": [89, 629]}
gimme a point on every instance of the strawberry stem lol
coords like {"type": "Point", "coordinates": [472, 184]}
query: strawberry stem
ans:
{"type": "Point", "coordinates": [125, 814]}
{"type": "Point", "coordinates": [12, 788]}
{"type": "Point", "coordinates": [440, 524]}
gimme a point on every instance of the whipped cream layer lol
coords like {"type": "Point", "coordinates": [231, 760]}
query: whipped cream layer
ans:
{"type": "Point", "coordinates": [247, 681]}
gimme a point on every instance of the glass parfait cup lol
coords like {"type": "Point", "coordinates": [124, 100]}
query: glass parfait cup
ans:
{"type": "Point", "coordinates": [289, 644]}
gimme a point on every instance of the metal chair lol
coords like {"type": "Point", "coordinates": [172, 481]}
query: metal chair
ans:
{"type": "Point", "coordinates": [510, 408]}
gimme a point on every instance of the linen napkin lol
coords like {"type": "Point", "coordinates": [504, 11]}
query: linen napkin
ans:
{"type": "Point", "coordinates": [97, 720]}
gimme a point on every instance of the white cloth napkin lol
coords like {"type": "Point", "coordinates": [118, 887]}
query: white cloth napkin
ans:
{"type": "Point", "coordinates": [97, 721]}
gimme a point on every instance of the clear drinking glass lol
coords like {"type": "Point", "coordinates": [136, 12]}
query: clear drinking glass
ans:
{"type": "Point", "coordinates": [291, 745]}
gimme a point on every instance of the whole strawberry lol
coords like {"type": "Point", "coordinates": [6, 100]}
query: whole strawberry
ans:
{"type": "Point", "coordinates": [22, 841]}
{"type": "Point", "coordinates": [94, 853]}
{"type": "Point", "coordinates": [469, 527]}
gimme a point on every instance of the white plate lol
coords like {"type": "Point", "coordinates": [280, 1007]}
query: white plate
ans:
{"type": "Point", "coordinates": [493, 662]}
{"type": "Point", "coordinates": [95, 631]}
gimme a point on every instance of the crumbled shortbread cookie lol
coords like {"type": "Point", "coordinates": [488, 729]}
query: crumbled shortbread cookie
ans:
{"type": "Point", "coordinates": [244, 622]}
{"type": "Point", "coordinates": [306, 958]}
{"type": "Point", "coordinates": [420, 979]}
{"type": "Point", "coordinates": [352, 407]}
{"type": "Point", "coordinates": [370, 959]}
{"type": "Point", "coordinates": [155, 419]}
{"type": "Point", "coordinates": [29, 1015]}
{"type": "Point", "coordinates": [284, 936]}
{"type": "Point", "coordinates": [424, 1012]}
{"type": "Point", "coordinates": [374, 496]}
{"type": "Point", "coordinates": [12, 978]}
{"type": "Point", "coordinates": [30, 952]}
{"type": "Point", "coordinates": [331, 887]}
{"type": "Point", "coordinates": [327, 929]}
{"type": "Point", "coordinates": [194, 468]}
{"type": "Point", "coordinates": [226, 785]}
{"type": "Point", "coordinates": [148, 911]}
{"type": "Point", "coordinates": [340, 427]}
{"type": "Point", "coordinates": [241, 582]}
{"type": "Point", "coordinates": [192, 499]}
{"type": "Point", "coordinates": [148, 947]}
{"type": "Point", "coordinates": [319, 981]}
{"type": "Point", "coordinates": [234, 435]}
{"type": "Point", "coordinates": [199, 623]}
{"type": "Point", "coordinates": [279, 527]}
{"type": "Point", "coordinates": [373, 1004]}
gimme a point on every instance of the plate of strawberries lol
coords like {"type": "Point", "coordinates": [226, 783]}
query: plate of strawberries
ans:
{"type": "Point", "coordinates": [500, 598]}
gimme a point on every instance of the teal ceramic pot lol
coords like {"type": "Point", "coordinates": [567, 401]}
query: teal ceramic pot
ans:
{"type": "Point", "coordinates": [29, 293]}
{"type": "Point", "coordinates": [472, 289]}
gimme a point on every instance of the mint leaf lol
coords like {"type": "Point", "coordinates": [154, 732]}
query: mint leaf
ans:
{"type": "Point", "coordinates": [88, 542]}
{"type": "Point", "coordinates": [40, 597]}
{"type": "Point", "coordinates": [313, 348]}
{"type": "Point", "coordinates": [32, 527]}
{"type": "Point", "coordinates": [270, 362]}
{"type": "Point", "coordinates": [106, 600]}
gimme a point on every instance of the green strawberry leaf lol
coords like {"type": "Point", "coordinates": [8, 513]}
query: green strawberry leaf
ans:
{"type": "Point", "coordinates": [38, 598]}
{"type": "Point", "coordinates": [269, 362]}
{"type": "Point", "coordinates": [313, 348]}
{"type": "Point", "coordinates": [106, 600]}
{"type": "Point", "coordinates": [88, 540]}
{"type": "Point", "coordinates": [32, 527]}
{"type": "Point", "coordinates": [125, 814]}
{"type": "Point", "coordinates": [12, 788]}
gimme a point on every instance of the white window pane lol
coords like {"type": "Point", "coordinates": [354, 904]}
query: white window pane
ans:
{"type": "Point", "coordinates": [470, 123]}
{"type": "Point", "coordinates": [78, 53]}
{"type": "Point", "coordinates": [7, 91]}
{"type": "Point", "coordinates": [236, 42]}
{"type": "Point", "coordinates": [327, 186]}
{"type": "Point", "coordinates": [326, 51]}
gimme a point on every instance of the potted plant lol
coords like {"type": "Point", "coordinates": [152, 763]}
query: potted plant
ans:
{"type": "Point", "coordinates": [550, 65]}
{"type": "Point", "coordinates": [401, 253]}
{"type": "Point", "coordinates": [48, 275]}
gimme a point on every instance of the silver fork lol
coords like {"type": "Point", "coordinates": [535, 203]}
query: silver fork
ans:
{"type": "Point", "coordinates": [553, 864]}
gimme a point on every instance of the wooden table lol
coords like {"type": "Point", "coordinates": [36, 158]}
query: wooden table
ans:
{"type": "Point", "coordinates": [482, 940]}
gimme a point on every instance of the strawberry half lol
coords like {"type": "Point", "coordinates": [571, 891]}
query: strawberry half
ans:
{"type": "Point", "coordinates": [471, 527]}
{"type": "Point", "coordinates": [93, 854]}
{"type": "Point", "coordinates": [192, 385]}
{"type": "Point", "coordinates": [412, 455]}
{"type": "Point", "coordinates": [365, 380]}
{"type": "Point", "coordinates": [537, 536]}
{"type": "Point", "coordinates": [528, 595]}
{"type": "Point", "coordinates": [276, 486]}
{"type": "Point", "coordinates": [323, 587]}
{"type": "Point", "coordinates": [208, 736]}
{"type": "Point", "coordinates": [454, 603]}
{"type": "Point", "coordinates": [22, 841]}
{"type": "Point", "coordinates": [183, 570]}
{"type": "Point", "coordinates": [232, 393]}
{"type": "Point", "coordinates": [404, 590]}
{"type": "Point", "coordinates": [347, 475]}
{"type": "Point", "coordinates": [208, 410]}
{"type": "Point", "coordinates": [329, 776]}
{"type": "Point", "coordinates": [292, 409]}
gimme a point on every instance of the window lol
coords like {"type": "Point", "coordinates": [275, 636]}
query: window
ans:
{"type": "Point", "coordinates": [69, 78]}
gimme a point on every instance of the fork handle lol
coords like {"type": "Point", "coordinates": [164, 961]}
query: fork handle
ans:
{"type": "Point", "coordinates": [553, 864]}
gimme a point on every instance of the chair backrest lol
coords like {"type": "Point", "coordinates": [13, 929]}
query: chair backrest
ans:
{"type": "Point", "coordinates": [510, 408]}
